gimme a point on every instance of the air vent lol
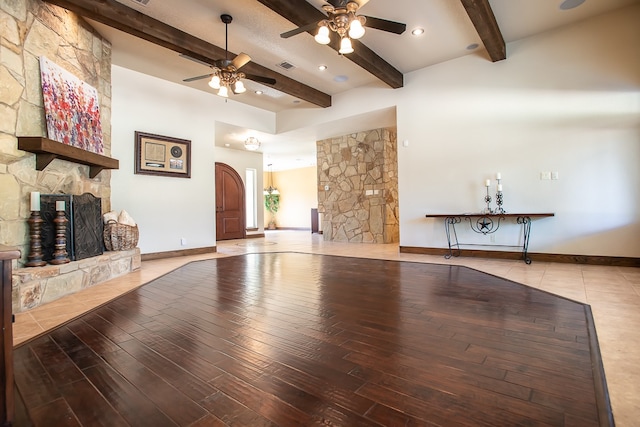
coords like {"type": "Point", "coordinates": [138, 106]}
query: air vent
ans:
{"type": "Point", "coordinates": [142, 2]}
{"type": "Point", "coordinates": [286, 65]}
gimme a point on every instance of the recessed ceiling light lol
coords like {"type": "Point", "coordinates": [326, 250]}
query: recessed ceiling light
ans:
{"type": "Point", "coordinates": [259, 92]}
{"type": "Point", "coordinates": [417, 31]}
{"type": "Point", "coordinates": [322, 67]}
{"type": "Point", "coordinates": [473, 46]}
{"type": "Point", "coordinates": [227, 144]}
{"type": "Point", "coordinates": [570, 4]}
{"type": "Point", "coordinates": [340, 78]}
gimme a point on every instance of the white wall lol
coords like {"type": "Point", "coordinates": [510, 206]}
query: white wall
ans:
{"type": "Point", "coordinates": [167, 208]}
{"type": "Point", "coordinates": [565, 101]}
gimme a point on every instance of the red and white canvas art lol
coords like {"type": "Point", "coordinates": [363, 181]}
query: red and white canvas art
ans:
{"type": "Point", "coordinates": [71, 108]}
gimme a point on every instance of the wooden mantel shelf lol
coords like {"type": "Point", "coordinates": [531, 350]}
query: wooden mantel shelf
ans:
{"type": "Point", "coordinates": [47, 149]}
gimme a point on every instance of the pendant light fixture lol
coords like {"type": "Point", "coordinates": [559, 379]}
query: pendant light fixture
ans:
{"type": "Point", "coordinates": [270, 189]}
{"type": "Point", "coordinates": [252, 143]}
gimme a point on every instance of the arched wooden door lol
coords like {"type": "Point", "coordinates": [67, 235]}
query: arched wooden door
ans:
{"type": "Point", "coordinates": [230, 205]}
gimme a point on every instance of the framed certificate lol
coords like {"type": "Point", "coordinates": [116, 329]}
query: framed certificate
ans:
{"type": "Point", "coordinates": [162, 155]}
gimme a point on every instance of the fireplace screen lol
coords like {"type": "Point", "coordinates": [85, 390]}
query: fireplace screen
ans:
{"type": "Point", "coordinates": [84, 230]}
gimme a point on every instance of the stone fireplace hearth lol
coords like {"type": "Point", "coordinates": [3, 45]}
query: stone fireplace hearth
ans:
{"type": "Point", "coordinates": [33, 286]}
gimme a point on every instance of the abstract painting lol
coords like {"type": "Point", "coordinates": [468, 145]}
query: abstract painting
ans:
{"type": "Point", "coordinates": [71, 108]}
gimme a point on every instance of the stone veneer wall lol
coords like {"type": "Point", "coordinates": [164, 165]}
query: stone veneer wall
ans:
{"type": "Point", "coordinates": [39, 285]}
{"type": "Point", "coordinates": [361, 173]}
{"type": "Point", "coordinates": [28, 30]}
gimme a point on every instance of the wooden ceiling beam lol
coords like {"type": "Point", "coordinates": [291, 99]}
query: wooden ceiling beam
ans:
{"type": "Point", "coordinates": [130, 21]}
{"type": "Point", "coordinates": [484, 20]}
{"type": "Point", "coordinates": [301, 13]}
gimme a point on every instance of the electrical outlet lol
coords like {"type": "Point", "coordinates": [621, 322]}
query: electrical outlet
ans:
{"type": "Point", "coordinates": [545, 175]}
{"type": "Point", "coordinates": [183, 241]}
{"type": "Point", "coordinates": [554, 175]}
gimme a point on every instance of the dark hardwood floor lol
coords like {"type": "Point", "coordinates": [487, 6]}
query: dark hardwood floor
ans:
{"type": "Point", "coordinates": [290, 339]}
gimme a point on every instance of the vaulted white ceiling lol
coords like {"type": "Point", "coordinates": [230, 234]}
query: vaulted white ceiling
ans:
{"type": "Point", "coordinates": [256, 30]}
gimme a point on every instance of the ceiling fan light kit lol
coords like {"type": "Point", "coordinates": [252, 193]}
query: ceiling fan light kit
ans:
{"type": "Point", "coordinates": [356, 29]}
{"type": "Point", "coordinates": [214, 82]}
{"type": "Point", "coordinates": [322, 36]}
{"type": "Point", "coordinates": [342, 20]}
{"type": "Point", "coordinates": [225, 76]}
{"type": "Point", "coordinates": [345, 46]}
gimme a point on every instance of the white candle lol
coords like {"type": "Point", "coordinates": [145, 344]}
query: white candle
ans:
{"type": "Point", "coordinates": [487, 183]}
{"type": "Point", "coordinates": [35, 201]}
{"type": "Point", "coordinates": [60, 205]}
{"type": "Point", "coordinates": [498, 175]}
{"type": "Point", "coordinates": [500, 188]}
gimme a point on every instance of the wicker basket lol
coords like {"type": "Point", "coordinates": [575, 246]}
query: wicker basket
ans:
{"type": "Point", "coordinates": [120, 237]}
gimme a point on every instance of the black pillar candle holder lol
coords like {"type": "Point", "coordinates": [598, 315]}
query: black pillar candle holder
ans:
{"type": "Point", "coordinates": [60, 255]}
{"type": "Point", "coordinates": [35, 244]}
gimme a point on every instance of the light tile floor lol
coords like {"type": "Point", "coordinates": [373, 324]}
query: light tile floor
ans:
{"type": "Point", "coordinates": [612, 292]}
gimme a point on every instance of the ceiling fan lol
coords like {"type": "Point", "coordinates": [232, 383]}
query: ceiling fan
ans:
{"type": "Point", "coordinates": [342, 19]}
{"type": "Point", "coordinates": [225, 75]}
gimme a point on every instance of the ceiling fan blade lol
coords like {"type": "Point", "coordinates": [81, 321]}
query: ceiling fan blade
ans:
{"type": "Point", "coordinates": [192, 79]}
{"type": "Point", "coordinates": [299, 30]}
{"type": "Point", "coordinates": [240, 60]}
{"type": "Point", "coordinates": [384, 25]}
{"type": "Point", "coordinates": [261, 79]}
{"type": "Point", "coordinates": [343, 3]}
{"type": "Point", "coordinates": [206, 64]}
{"type": "Point", "coordinates": [338, 3]}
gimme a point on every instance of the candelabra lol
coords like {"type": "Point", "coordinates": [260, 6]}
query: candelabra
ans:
{"type": "Point", "coordinates": [60, 255]}
{"type": "Point", "coordinates": [35, 233]}
{"type": "Point", "coordinates": [487, 200]}
{"type": "Point", "coordinates": [499, 198]}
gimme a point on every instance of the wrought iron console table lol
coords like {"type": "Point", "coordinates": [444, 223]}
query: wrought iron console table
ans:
{"type": "Point", "coordinates": [486, 224]}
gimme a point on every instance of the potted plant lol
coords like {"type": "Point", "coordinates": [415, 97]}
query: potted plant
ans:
{"type": "Point", "coordinates": [272, 204]}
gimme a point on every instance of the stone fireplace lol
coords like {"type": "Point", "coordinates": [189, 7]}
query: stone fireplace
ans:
{"type": "Point", "coordinates": [89, 265]}
{"type": "Point", "coordinates": [84, 230]}
{"type": "Point", "coordinates": [29, 30]}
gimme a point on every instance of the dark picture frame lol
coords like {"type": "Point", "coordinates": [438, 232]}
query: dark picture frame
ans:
{"type": "Point", "coordinates": [162, 155]}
